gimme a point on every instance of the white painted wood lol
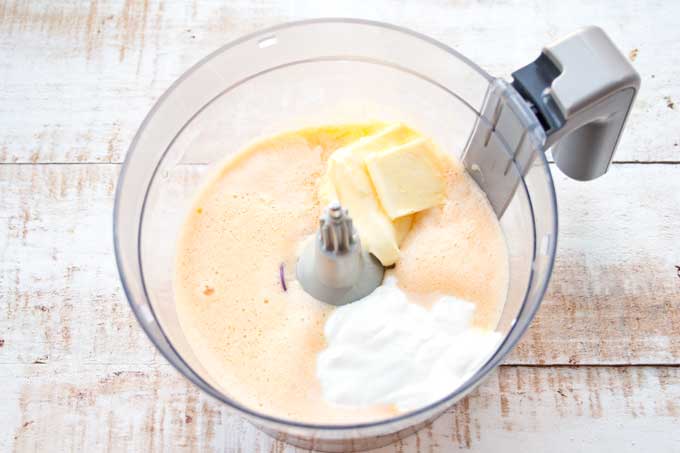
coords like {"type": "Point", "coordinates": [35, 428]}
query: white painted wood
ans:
{"type": "Point", "coordinates": [66, 330]}
{"type": "Point", "coordinates": [78, 79]}
{"type": "Point", "coordinates": [612, 299]}
{"type": "Point", "coordinates": [563, 409]}
{"type": "Point", "coordinates": [615, 283]}
{"type": "Point", "coordinates": [77, 373]}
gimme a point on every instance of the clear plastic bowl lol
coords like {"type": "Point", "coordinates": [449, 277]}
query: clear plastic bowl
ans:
{"type": "Point", "coordinates": [313, 73]}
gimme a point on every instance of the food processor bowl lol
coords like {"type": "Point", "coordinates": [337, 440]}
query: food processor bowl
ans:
{"type": "Point", "coordinates": [329, 72]}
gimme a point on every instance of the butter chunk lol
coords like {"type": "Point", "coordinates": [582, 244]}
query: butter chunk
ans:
{"type": "Point", "coordinates": [351, 184]}
{"type": "Point", "coordinates": [327, 193]}
{"type": "Point", "coordinates": [352, 156]}
{"type": "Point", "coordinates": [407, 178]}
{"type": "Point", "coordinates": [355, 192]}
{"type": "Point", "coordinates": [355, 153]}
{"type": "Point", "coordinates": [402, 226]}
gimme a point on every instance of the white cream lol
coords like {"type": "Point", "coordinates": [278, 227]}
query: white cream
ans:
{"type": "Point", "coordinates": [384, 350]}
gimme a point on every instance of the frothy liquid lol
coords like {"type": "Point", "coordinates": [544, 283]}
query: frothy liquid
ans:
{"type": "Point", "coordinates": [260, 343]}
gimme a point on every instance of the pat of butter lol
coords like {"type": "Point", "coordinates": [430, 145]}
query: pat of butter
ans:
{"type": "Point", "coordinates": [349, 181]}
{"type": "Point", "coordinates": [407, 178]}
{"type": "Point", "coordinates": [402, 226]}
{"type": "Point", "coordinates": [353, 155]}
{"type": "Point", "coordinates": [327, 193]}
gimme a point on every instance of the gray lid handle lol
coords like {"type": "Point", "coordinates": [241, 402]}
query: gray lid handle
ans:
{"type": "Point", "coordinates": [581, 89]}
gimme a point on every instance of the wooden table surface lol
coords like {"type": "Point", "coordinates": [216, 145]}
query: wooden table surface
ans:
{"type": "Point", "coordinates": [599, 368]}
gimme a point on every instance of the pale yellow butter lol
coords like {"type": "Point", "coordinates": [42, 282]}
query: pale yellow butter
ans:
{"type": "Point", "coordinates": [327, 192]}
{"type": "Point", "coordinates": [407, 178]}
{"type": "Point", "coordinates": [349, 181]}
{"type": "Point", "coordinates": [402, 226]}
{"type": "Point", "coordinates": [352, 157]}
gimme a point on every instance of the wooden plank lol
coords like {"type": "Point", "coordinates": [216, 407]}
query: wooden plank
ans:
{"type": "Point", "coordinates": [61, 298]}
{"type": "Point", "coordinates": [614, 297]}
{"type": "Point", "coordinates": [615, 290]}
{"type": "Point", "coordinates": [77, 81]}
{"type": "Point", "coordinates": [71, 407]}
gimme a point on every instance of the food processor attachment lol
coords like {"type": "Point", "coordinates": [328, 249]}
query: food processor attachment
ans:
{"type": "Point", "coordinates": [333, 267]}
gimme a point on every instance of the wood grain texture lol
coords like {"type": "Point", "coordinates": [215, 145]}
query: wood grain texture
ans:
{"type": "Point", "coordinates": [613, 297]}
{"type": "Point", "coordinates": [78, 79]}
{"type": "Point", "coordinates": [615, 288]}
{"type": "Point", "coordinates": [75, 362]}
{"type": "Point", "coordinates": [120, 408]}
{"type": "Point", "coordinates": [598, 369]}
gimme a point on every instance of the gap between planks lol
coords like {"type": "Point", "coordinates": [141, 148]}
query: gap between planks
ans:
{"type": "Point", "coordinates": [503, 365]}
{"type": "Point", "coordinates": [119, 57]}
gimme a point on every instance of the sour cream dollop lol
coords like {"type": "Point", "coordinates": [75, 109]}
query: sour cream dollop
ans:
{"type": "Point", "coordinates": [382, 349]}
